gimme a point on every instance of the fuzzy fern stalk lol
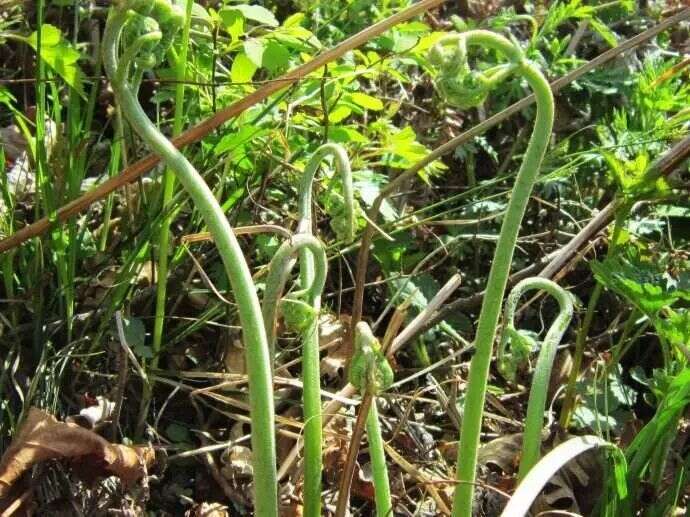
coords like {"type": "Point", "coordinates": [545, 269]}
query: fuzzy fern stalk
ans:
{"type": "Point", "coordinates": [147, 29]}
{"type": "Point", "coordinates": [521, 345]}
{"type": "Point", "coordinates": [311, 372]}
{"type": "Point", "coordinates": [371, 374]}
{"type": "Point", "coordinates": [301, 310]}
{"type": "Point", "coordinates": [464, 88]}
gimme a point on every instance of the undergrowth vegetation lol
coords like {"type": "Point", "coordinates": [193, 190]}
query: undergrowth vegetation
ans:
{"type": "Point", "coordinates": [379, 286]}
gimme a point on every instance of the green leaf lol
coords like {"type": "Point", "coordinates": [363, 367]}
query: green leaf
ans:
{"type": "Point", "coordinates": [6, 97]}
{"type": "Point", "coordinates": [267, 54]}
{"type": "Point", "coordinates": [605, 403]}
{"type": "Point", "coordinates": [642, 283]}
{"type": "Point", "coordinates": [231, 142]}
{"type": "Point", "coordinates": [59, 55]}
{"type": "Point", "coordinates": [294, 20]}
{"type": "Point", "coordinates": [297, 38]}
{"type": "Point", "coordinates": [135, 335]}
{"type": "Point", "coordinates": [233, 22]}
{"type": "Point", "coordinates": [366, 101]}
{"type": "Point", "coordinates": [345, 135]}
{"type": "Point", "coordinates": [135, 332]}
{"type": "Point", "coordinates": [606, 34]}
{"type": "Point", "coordinates": [177, 433]}
{"type": "Point", "coordinates": [298, 316]}
{"type": "Point", "coordinates": [275, 57]}
{"type": "Point", "coordinates": [200, 12]}
{"type": "Point", "coordinates": [675, 328]}
{"type": "Point", "coordinates": [254, 49]}
{"type": "Point", "coordinates": [402, 150]}
{"type": "Point", "coordinates": [339, 113]}
{"type": "Point", "coordinates": [255, 13]}
{"type": "Point", "coordinates": [243, 69]}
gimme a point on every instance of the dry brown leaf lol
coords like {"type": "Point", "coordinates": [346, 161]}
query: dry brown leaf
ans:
{"type": "Point", "coordinates": [208, 510]}
{"type": "Point", "coordinates": [237, 462]}
{"type": "Point", "coordinates": [234, 358]}
{"type": "Point", "coordinates": [503, 452]}
{"type": "Point", "coordinates": [331, 333]}
{"type": "Point", "coordinates": [41, 438]}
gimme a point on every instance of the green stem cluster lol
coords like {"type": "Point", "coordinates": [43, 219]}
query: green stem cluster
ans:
{"type": "Point", "coordinates": [531, 441]}
{"type": "Point", "coordinates": [146, 44]}
{"type": "Point", "coordinates": [455, 78]}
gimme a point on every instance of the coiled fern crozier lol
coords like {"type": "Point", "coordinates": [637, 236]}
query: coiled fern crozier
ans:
{"type": "Point", "coordinates": [531, 442]}
{"type": "Point", "coordinates": [463, 87]}
{"type": "Point", "coordinates": [146, 29]}
{"type": "Point", "coordinates": [371, 374]}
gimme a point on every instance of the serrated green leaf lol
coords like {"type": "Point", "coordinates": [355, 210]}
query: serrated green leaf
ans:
{"type": "Point", "coordinates": [255, 13]}
{"type": "Point", "coordinates": [366, 101]}
{"type": "Point", "coordinates": [643, 284]}
{"type": "Point", "coordinates": [233, 22]}
{"type": "Point", "coordinates": [59, 55]}
{"type": "Point", "coordinates": [242, 69]}
{"type": "Point", "coordinates": [675, 328]}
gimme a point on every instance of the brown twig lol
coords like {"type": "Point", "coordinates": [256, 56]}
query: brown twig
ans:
{"type": "Point", "coordinates": [557, 85]}
{"type": "Point", "coordinates": [352, 451]}
{"type": "Point", "coordinates": [199, 131]}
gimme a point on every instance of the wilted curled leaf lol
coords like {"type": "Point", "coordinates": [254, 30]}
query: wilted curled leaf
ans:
{"type": "Point", "coordinates": [41, 437]}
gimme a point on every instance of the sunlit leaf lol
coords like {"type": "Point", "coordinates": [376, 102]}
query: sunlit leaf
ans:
{"type": "Point", "coordinates": [255, 13]}
{"type": "Point", "coordinates": [243, 69]}
{"type": "Point", "coordinates": [642, 283]}
{"type": "Point", "coordinates": [233, 22]}
{"type": "Point", "coordinates": [59, 55]}
{"type": "Point", "coordinates": [366, 101]}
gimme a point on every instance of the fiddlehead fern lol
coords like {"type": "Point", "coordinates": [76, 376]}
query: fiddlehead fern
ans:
{"type": "Point", "coordinates": [531, 441]}
{"type": "Point", "coordinates": [457, 83]}
{"type": "Point", "coordinates": [311, 371]}
{"type": "Point", "coordinates": [371, 374]}
{"type": "Point", "coordinates": [147, 29]}
{"type": "Point", "coordinates": [342, 166]}
{"type": "Point", "coordinates": [453, 78]}
{"type": "Point", "coordinates": [300, 310]}
{"type": "Point", "coordinates": [278, 273]}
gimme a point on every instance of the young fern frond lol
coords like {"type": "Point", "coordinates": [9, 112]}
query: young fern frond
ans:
{"type": "Point", "coordinates": [370, 373]}
{"type": "Point", "coordinates": [279, 271]}
{"type": "Point", "coordinates": [311, 371]}
{"type": "Point", "coordinates": [343, 168]}
{"type": "Point", "coordinates": [531, 441]}
{"type": "Point", "coordinates": [301, 310]}
{"type": "Point", "coordinates": [465, 88]}
{"type": "Point", "coordinates": [147, 29]}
